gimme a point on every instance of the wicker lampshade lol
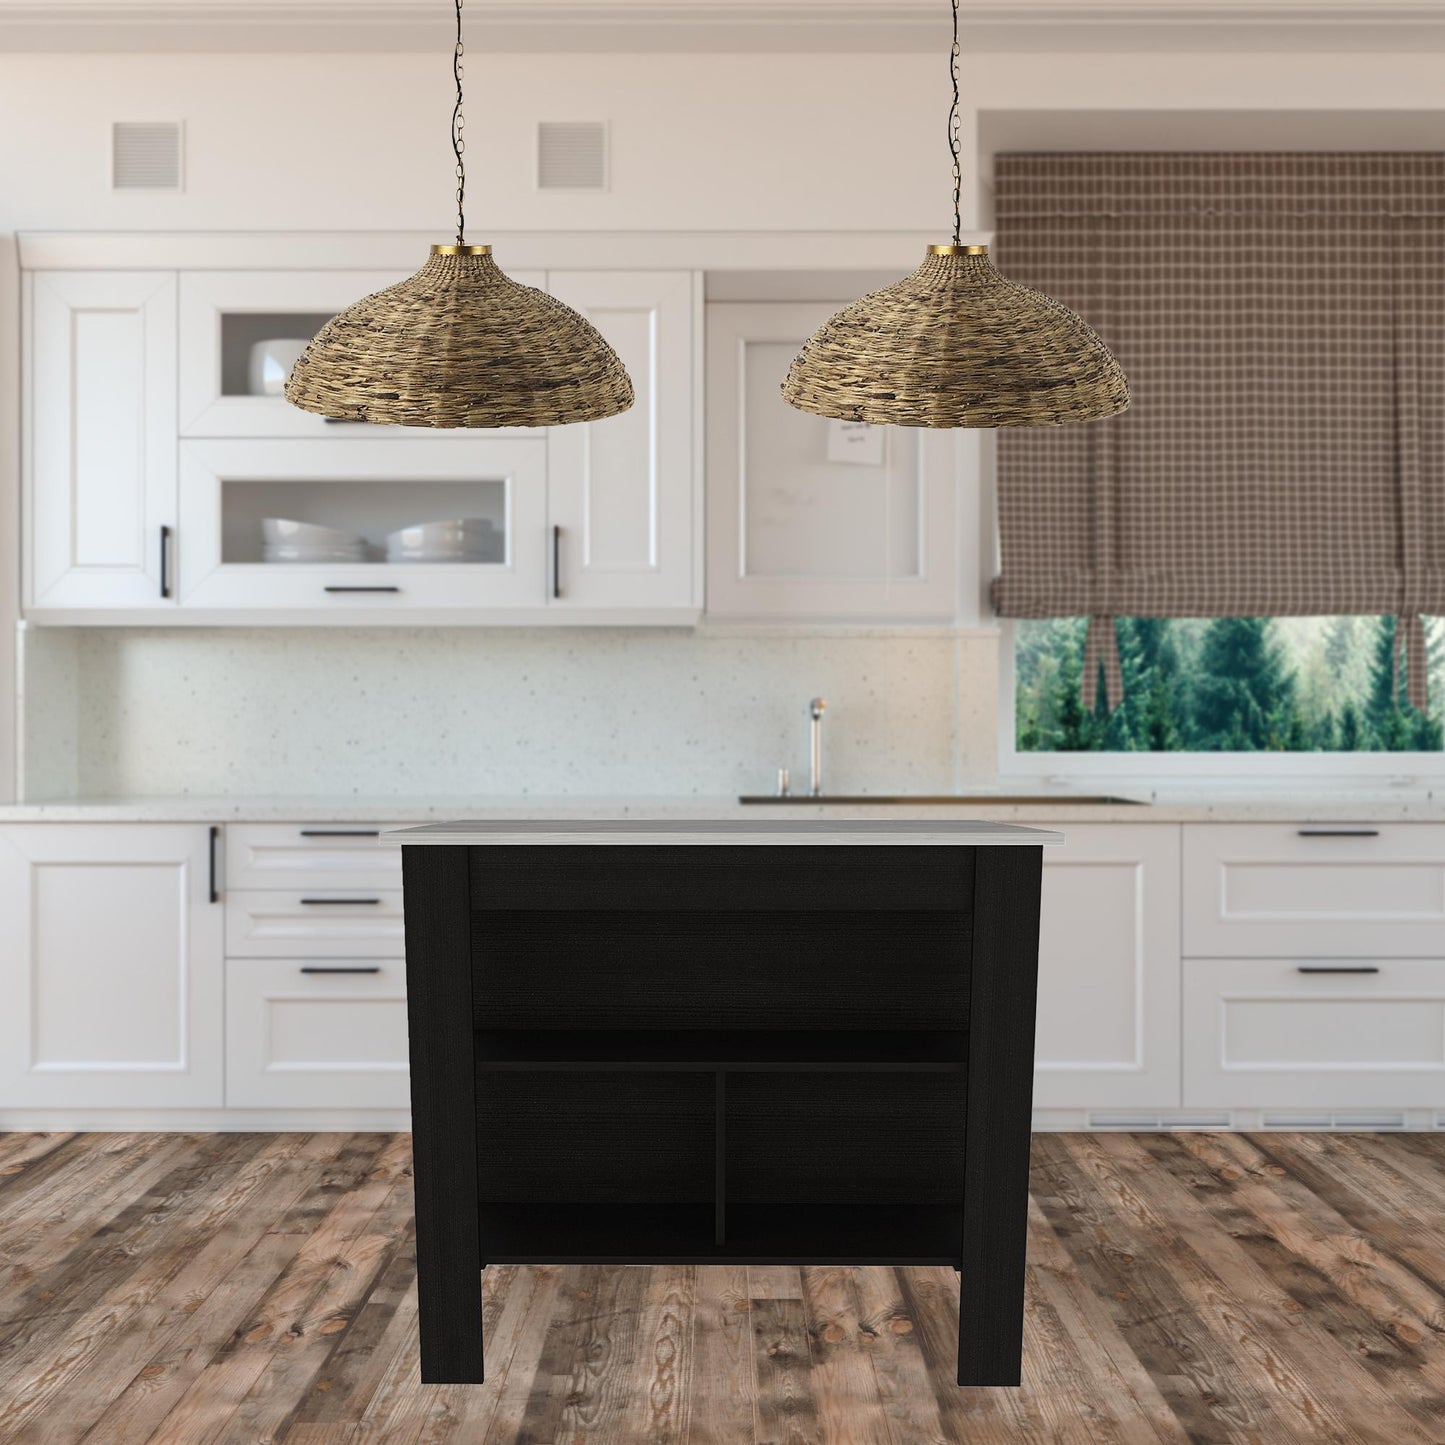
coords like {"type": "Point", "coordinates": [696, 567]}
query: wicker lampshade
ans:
{"type": "Point", "coordinates": [460, 344]}
{"type": "Point", "coordinates": [956, 345]}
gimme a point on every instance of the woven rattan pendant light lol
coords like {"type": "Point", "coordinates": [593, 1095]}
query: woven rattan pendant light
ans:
{"type": "Point", "coordinates": [956, 345]}
{"type": "Point", "coordinates": [460, 344]}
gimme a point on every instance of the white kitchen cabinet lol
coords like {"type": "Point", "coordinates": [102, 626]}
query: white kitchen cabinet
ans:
{"type": "Point", "coordinates": [1326, 890]}
{"type": "Point", "coordinates": [625, 493]}
{"type": "Point", "coordinates": [321, 923]}
{"type": "Point", "coordinates": [310, 1033]}
{"type": "Point", "coordinates": [223, 314]}
{"type": "Point", "coordinates": [112, 967]}
{"type": "Point", "coordinates": [812, 519]}
{"type": "Point", "coordinates": [229, 487]}
{"type": "Point", "coordinates": [100, 440]}
{"type": "Point", "coordinates": [312, 857]}
{"type": "Point", "coordinates": [1350, 1033]}
{"type": "Point", "coordinates": [1108, 1013]}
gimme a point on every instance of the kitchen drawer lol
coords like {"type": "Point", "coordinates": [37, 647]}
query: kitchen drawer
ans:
{"type": "Point", "coordinates": [1260, 1033]}
{"type": "Point", "coordinates": [1314, 890]}
{"type": "Point", "coordinates": [311, 855]}
{"type": "Point", "coordinates": [321, 923]}
{"type": "Point", "coordinates": [329, 1039]}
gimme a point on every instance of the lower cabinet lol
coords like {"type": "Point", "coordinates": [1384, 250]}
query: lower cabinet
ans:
{"type": "Point", "coordinates": [1325, 1034]}
{"type": "Point", "coordinates": [111, 969]}
{"type": "Point", "coordinates": [316, 1033]}
{"type": "Point", "coordinates": [1108, 1019]}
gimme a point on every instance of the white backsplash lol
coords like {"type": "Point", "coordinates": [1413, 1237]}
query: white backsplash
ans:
{"type": "Point", "coordinates": [575, 712]}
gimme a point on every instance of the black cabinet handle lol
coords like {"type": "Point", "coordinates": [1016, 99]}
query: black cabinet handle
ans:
{"type": "Point", "coordinates": [341, 832]}
{"type": "Point", "coordinates": [165, 562]}
{"type": "Point", "coordinates": [556, 562]}
{"type": "Point", "coordinates": [341, 902]}
{"type": "Point", "coordinates": [1331, 968]}
{"type": "Point", "coordinates": [310, 969]}
{"type": "Point", "coordinates": [1339, 832]}
{"type": "Point", "coordinates": [363, 589]}
{"type": "Point", "coordinates": [215, 885]}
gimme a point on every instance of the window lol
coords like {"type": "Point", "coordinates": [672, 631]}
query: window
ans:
{"type": "Point", "coordinates": [1227, 685]}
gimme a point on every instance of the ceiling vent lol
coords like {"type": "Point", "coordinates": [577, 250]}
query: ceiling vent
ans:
{"type": "Point", "coordinates": [571, 155]}
{"type": "Point", "coordinates": [145, 155]}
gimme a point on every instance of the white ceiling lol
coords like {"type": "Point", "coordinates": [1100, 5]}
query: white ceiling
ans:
{"type": "Point", "coordinates": [631, 25]}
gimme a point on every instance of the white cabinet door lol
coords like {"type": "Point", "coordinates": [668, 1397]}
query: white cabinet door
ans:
{"type": "Point", "coordinates": [625, 492]}
{"type": "Point", "coordinates": [101, 439]}
{"type": "Point", "coordinates": [1307, 890]}
{"type": "Point", "coordinates": [111, 968]}
{"type": "Point", "coordinates": [229, 488]}
{"type": "Point", "coordinates": [224, 314]}
{"type": "Point", "coordinates": [1348, 1034]}
{"type": "Point", "coordinates": [307, 1033]}
{"type": "Point", "coordinates": [809, 518]}
{"type": "Point", "coordinates": [1109, 972]}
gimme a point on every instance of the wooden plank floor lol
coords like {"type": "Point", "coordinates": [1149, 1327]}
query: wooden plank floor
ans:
{"type": "Point", "coordinates": [255, 1288]}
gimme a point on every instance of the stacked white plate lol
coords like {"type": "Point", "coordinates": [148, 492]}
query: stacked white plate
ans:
{"type": "Point", "coordinates": [288, 541]}
{"type": "Point", "coordinates": [469, 539]}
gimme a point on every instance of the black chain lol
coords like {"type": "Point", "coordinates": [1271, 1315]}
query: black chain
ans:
{"type": "Point", "coordinates": [459, 143]}
{"type": "Point", "coordinates": [955, 139]}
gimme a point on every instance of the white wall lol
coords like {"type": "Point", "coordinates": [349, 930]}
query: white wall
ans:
{"type": "Point", "coordinates": [718, 142]}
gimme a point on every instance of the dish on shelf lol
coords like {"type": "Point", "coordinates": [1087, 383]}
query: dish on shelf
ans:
{"type": "Point", "coordinates": [467, 539]}
{"type": "Point", "coordinates": [271, 363]}
{"type": "Point", "coordinates": [290, 541]}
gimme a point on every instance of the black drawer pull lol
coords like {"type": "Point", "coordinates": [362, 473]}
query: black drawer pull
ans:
{"type": "Point", "coordinates": [341, 832]}
{"type": "Point", "coordinates": [1339, 832]}
{"type": "Point", "coordinates": [341, 902]}
{"type": "Point", "coordinates": [310, 969]}
{"type": "Point", "coordinates": [215, 885]}
{"type": "Point", "coordinates": [1328, 968]}
{"type": "Point", "coordinates": [363, 589]}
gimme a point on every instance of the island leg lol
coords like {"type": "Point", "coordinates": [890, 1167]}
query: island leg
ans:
{"type": "Point", "coordinates": [1003, 998]}
{"type": "Point", "coordinates": [443, 1112]}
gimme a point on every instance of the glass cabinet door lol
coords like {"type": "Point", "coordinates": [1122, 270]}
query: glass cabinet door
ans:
{"type": "Point", "coordinates": [434, 524]}
{"type": "Point", "coordinates": [240, 332]}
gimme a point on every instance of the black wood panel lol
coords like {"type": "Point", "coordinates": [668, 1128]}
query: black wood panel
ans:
{"type": "Point", "coordinates": [706, 877]}
{"type": "Point", "coordinates": [724, 969]}
{"type": "Point", "coordinates": [711, 1049]}
{"type": "Point", "coordinates": [880, 1232]}
{"type": "Point", "coordinates": [443, 1109]}
{"type": "Point", "coordinates": [845, 1138]}
{"type": "Point", "coordinates": [1000, 1105]}
{"type": "Point", "coordinates": [596, 1137]}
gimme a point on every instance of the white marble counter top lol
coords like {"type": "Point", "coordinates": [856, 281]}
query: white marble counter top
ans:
{"type": "Point", "coordinates": [736, 830]}
{"type": "Point", "coordinates": [1322, 806]}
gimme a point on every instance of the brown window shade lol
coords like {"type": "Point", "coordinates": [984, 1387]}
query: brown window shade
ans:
{"type": "Point", "coordinates": [1282, 322]}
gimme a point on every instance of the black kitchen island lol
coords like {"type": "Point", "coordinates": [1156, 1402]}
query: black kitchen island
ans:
{"type": "Point", "coordinates": [754, 1041]}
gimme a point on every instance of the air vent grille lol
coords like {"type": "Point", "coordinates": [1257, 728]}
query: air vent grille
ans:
{"type": "Point", "coordinates": [571, 156]}
{"type": "Point", "coordinates": [145, 155]}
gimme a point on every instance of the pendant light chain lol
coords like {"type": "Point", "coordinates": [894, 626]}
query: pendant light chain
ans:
{"type": "Point", "coordinates": [955, 134]}
{"type": "Point", "coordinates": [459, 142]}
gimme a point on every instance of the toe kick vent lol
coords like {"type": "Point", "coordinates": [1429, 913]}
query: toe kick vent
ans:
{"type": "Point", "coordinates": [571, 155]}
{"type": "Point", "coordinates": [145, 155]}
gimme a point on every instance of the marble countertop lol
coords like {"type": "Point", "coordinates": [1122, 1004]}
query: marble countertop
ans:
{"type": "Point", "coordinates": [752, 829]}
{"type": "Point", "coordinates": [1376, 805]}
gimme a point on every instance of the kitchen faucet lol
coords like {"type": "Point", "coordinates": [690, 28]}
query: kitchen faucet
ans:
{"type": "Point", "coordinates": [815, 714]}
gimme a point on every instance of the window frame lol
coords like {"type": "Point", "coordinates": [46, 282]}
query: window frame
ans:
{"type": "Point", "coordinates": [1139, 771]}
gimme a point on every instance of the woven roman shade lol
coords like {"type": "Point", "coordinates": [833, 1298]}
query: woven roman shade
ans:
{"type": "Point", "coordinates": [1282, 322]}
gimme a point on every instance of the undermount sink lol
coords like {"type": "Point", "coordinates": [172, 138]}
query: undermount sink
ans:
{"type": "Point", "coordinates": [944, 800]}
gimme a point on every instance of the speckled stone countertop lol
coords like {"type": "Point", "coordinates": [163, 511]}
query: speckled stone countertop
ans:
{"type": "Point", "coordinates": [1402, 805]}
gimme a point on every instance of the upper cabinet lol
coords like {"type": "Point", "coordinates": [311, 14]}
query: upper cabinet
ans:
{"type": "Point", "coordinates": [623, 491]}
{"type": "Point", "coordinates": [161, 455]}
{"type": "Point", "coordinates": [100, 439]}
{"type": "Point", "coordinates": [238, 332]}
{"type": "Point", "coordinates": [810, 518]}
